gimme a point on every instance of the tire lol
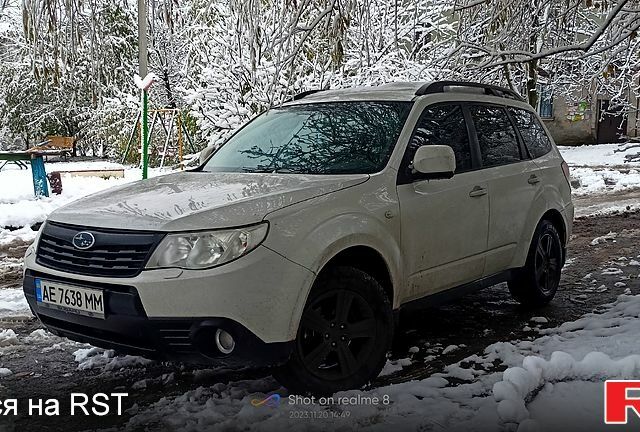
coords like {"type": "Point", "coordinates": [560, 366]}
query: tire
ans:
{"type": "Point", "coordinates": [344, 334]}
{"type": "Point", "coordinates": [536, 283]}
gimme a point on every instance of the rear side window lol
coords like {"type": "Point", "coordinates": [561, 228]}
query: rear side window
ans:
{"type": "Point", "coordinates": [443, 125]}
{"type": "Point", "coordinates": [532, 132]}
{"type": "Point", "coordinates": [496, 136]}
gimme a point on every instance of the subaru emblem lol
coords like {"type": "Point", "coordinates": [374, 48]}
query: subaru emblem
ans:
{"type": "Point", "coordinates": [83, 240]}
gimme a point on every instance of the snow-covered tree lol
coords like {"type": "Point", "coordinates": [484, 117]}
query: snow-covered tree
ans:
{"type": "Point", "coordinates": [63, 67]}
{"type": "Point", "coordinates": [569, 43]}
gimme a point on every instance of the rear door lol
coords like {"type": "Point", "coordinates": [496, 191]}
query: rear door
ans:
{"type": "Point", "coordinates": [545, 156]}
{"type": "Point", "coordinates": [513, 183]}
{"type": "Point", "coordinates": [445, 221]}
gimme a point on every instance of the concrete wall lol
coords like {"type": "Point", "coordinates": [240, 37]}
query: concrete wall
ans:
{"type": "Point", "coordinates": [570, 125]}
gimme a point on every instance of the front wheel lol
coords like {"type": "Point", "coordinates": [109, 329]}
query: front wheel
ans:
{"type": "Point", "coordinates": [343, 337]}
{"type": "Point", "coordinates": [536, 284]}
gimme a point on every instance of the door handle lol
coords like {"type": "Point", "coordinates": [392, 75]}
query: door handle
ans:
{"type": "Point", "coordinates": [477, 191]}
{"type": "Point", "coordinates": [533, 179]}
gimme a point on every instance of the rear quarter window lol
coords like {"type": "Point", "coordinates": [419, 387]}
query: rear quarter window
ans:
{"type": "Point", "coordinates": [533, 134]}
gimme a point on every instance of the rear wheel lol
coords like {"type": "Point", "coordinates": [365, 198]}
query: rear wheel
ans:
{"type": "Point", "coordinates": [343, 337]}
{"type": "Point", "coordinates": [536, 284]}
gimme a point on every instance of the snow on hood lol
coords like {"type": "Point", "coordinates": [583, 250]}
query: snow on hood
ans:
{"type": "Point", "coordinates": [198, 200]}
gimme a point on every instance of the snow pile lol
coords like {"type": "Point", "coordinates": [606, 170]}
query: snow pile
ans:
{"type": "Point", "coordinates": [520, 383]}
{"type": "Point", "coordinates": [603, 239]}
{"type": "Point", "coordinates": [560, 371]}
{"type": "Point", "coordinates": [24, 234]}
{"type": "Point", "coordinates": [450, 349]}
{"type": "Point", "coordinates": [13, 303]}
{"type": "Point", "coordinates": [592, 349]}
{"type": "Point", "coordinates": [8, 337]}
{"type": "Point", "coordinates": [604, 180]}
{"type": "Point", "coordinates": [40, 335]}
{"type": "Point", "coordinates": [97, 358]}
{"type": "Point", "coordinates": [393, 366]}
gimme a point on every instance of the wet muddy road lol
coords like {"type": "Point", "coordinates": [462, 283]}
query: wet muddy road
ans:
{"type": "Point", "coordinates": [44, 366]}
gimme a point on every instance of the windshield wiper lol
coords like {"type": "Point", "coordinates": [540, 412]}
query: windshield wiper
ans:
{"type": "Point", "coordinates": [258, 170]}
{"type": "Point", "coordinates": [271, 170]}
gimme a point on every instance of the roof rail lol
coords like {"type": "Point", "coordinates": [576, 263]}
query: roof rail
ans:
{"type": "Point", "coordinates": [305, 94]}
{"type": "Point", "coordinates": [438, 87]}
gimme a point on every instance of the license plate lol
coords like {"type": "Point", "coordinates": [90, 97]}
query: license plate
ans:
{"type": "Point", "coordinates": [70, 298]}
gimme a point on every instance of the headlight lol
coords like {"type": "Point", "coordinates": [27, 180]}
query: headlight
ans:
{"type": "Point", "coordinates": [206, 249]}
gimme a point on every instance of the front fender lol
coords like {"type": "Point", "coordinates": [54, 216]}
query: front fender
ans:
{"type": "Point", "coordinates": [312, 233]}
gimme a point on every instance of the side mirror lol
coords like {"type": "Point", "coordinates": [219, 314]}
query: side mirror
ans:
{"type": "Point", "coordinates": [435, 161]}
{"type": "Point", "coordinates": [205, 153]}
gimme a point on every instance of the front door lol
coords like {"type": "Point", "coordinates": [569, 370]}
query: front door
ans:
{"type": "Point", "coordinates": [612, 123]}
{"type": "Point", "coordinates": [444, 222]}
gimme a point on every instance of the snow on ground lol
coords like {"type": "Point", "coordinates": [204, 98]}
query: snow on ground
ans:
{"type": "Point", "coordinates": [19, 208]}
{"type": "Point", "coordinates": [595, 155]}
{"type": "Point", "coordinates": [552, 381]}
{"type": "Point", "coordinates": [98, 358]}
{"type": "Point", "coordinates": [604, 180]}
{"type": "Point", "coordinates": [8, 337]}
{"type": "Point", "coordinates": [599, 168]}
{"type": "Point", "coordinates": [13, 304]}
{"type": "Point", "coordinates": [24, 234]}
{"type": "Point", "coordinates": [393, 366]}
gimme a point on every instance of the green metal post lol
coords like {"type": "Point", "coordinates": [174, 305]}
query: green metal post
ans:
{"type": "Point", "coordinates": [145, 134]}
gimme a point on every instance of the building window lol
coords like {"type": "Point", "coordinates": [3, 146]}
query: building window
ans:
{"type": "Point", "coordinates": [545, 104]}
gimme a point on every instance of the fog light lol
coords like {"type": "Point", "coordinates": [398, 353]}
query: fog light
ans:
{"type": "Point", "coordinates": [224, 341]}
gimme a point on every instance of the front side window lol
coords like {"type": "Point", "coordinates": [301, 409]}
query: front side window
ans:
{"type": "Point", "coordinates": [443, 125]}
{"type": "Point", "coordinates": [532, 132]}
{"type": "Point", "coordinates": [496, 136]}
{"type": "Point", "coordinates": [321, 138]}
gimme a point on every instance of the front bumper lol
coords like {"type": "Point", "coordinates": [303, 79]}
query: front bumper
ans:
{"type": "Point", "coordinates": [173, 314]}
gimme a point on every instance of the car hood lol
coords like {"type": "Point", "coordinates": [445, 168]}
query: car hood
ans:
{"type": "Point", "coordinates": [198, 200]}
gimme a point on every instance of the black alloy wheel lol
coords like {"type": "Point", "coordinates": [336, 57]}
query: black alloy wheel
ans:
{"type": "Point", "coordinates": [338, 332]}
{"type": "Point", "coordinates": [343, 337]}
{"type": "Point", "coordinates": [547, 263]}
{"type": "Point", "coordinates": [536, 283]}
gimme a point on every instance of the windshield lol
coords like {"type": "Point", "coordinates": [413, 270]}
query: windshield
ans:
{"type": "Point", "coordinates": [321, 138]}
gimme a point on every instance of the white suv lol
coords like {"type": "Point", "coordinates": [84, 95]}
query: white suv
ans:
{"type": "Point", "coordinates": [296, 243]}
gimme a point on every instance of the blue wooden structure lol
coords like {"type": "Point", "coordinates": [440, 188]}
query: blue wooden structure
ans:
{"type": "Point", "coordinates": [40, 186]}
{"type": "Point", "coordinates": [38, 172]}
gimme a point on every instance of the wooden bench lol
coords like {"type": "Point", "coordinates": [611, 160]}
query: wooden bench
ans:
{"type": "Point", "coordinates": [59, 145]}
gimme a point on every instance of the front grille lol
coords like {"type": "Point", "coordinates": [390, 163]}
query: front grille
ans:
{"type": "Point", "coordinates": [116, 253]}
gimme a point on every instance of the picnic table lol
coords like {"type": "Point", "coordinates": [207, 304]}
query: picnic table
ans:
{"type": "Point", "coordinates": [38, 172]}
{"type": "Point", "coordinates": [20, 158]}
{"type": "Point", "coordinates": [52, 146]}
